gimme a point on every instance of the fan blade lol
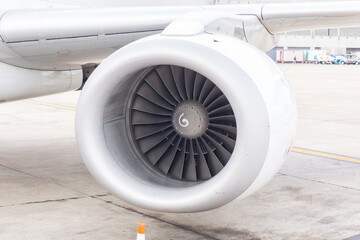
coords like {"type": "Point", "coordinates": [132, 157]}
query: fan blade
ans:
{"type": "Point", "coordinates": [217, 103]}
{"type": "Point", "coordinates": [154, 80]}
{"type": "Point", "coordinates": [167, 159]}
{"type": "Point", "coordinates": [229, 143]}
{"type": "Point", "coordinates": [177, 167]}
{"type": "Point", "coordinates": [198, 85]}
{"type": "Point", "coordinates": [151, 95]}
{"type": "Point", "coordinates": [203, 171]}
{"type": "Point", "coordinates": [143, 105]}
{"type": "Point", "coordinates": [178, 74]}
{"type": "Point", "coordinates": [225, 110]}
{"type": "Point", "coordinates": [155, 154]}
{"type": "Point", "coordinates": [168, 80]}
{"type": "Point", "coordinates": [213, 162]}
{"type": "Point", "coordinates": [151, 141]}
{"type": "Point", "coordinates": [225, 118]}
{"type": "Point", "coordinates": [142, 118]}
{"type": "Point", "coordinates": [228, 129]}
{"type": "Point", "coordinates": [208, 86]}
{"type": "Point", "coordinates": [190, 165]}
{"type": "Point", "coordinates": [213, 95]}
{"type": "Point", "coordinates": [141, 131]}
{"type": "Point", "coordinates": [221, 153]}
{"type": "Point", "coordinates": [189, 83]}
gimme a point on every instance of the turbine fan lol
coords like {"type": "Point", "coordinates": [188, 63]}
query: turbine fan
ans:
{"type": "Point", "coordinates": [182, 123]}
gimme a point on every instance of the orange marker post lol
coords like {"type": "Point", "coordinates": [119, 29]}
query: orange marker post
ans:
{"type": "Point", "coordinates": [141, 232]}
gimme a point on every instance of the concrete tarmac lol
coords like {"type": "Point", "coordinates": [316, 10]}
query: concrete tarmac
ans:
{"type": "Point", "coordinates": [47, 193]}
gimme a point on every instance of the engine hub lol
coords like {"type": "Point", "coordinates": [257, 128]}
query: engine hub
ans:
{"type": "Point", "coordinates": [190, 119]}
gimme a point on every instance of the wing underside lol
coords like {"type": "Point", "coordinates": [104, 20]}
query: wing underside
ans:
{"type": "Point", "coordinates": [66, 38]}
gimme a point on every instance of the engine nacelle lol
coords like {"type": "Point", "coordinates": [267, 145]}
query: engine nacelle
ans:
{"type": "Point", "coordinates": [185, 124]}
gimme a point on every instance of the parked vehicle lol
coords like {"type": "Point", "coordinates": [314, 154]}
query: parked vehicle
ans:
{"type": "Point", "coordinates": [355, 60]}
{"type": "Point", "coordinates": [341, 59]}
{"type": "Point", "coordinates": [289, 56]}
{"type": "Point", "coordinates": [324, 59]}
{"type": "Point", "coordinates": [310, 55]}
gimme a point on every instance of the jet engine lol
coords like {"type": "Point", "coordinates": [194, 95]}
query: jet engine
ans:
{"type": "Point", "coordinates": [185, 123]}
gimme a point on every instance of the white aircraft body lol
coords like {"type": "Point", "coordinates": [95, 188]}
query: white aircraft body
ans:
{"type": "Point", "coordinates": [184, 111]}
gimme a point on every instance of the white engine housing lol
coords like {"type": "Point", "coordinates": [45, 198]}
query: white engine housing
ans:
{"type": "Point", "coordinates": [20, 83]}
{"type": "Point", "coordinates": [257, 90]}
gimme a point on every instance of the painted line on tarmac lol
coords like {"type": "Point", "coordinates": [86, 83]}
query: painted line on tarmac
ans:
{"type": "Point", "coordinates": [326, 155]}
{"type": "Point", "coordinates": [50, 105]}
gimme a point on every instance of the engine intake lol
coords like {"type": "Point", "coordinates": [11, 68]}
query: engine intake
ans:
{"type": "Point", "coordinates": [185, 124]}
{"type": "Point", "coordinates": [181, 123]}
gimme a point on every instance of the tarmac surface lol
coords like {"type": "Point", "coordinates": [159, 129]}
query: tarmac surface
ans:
{"type": "Point", "coordinates": [47, 193]}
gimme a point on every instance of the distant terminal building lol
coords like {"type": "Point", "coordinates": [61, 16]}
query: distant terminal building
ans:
{"type": "Point", "coordinates": [338, 41]}
{"type": "Point", "coordinates": [333, 41]}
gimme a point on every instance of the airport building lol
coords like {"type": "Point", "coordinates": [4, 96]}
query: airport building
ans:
{"type": "Point", "coordinates": [337, 41]}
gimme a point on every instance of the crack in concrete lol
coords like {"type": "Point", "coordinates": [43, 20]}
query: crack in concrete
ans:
{"type": "Point", "coordinates": [98, 198]}
{"type": "Point", "coordinates": [186, 228]}
{"type": "Point", "coordinates": [50, 180]}
{"type": "Point", "coordinates": [19, 171]}
{"type": "Point", "coordinates": [55, 200]}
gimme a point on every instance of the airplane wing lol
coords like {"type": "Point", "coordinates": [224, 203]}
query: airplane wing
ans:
{"type": "Point", "coordinates": [307, 16]}
{"type": "Point", "coordinates": [185, 111]}
{"type": "Point", "coordinates": [71, 37]}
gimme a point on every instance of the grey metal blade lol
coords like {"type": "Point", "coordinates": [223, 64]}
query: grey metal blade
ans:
{"type": "Point", "coordinates": [141, 131]}
{"type": "Point", "coordinates": [150, 94]}
{"type": "Point", "coordinates": [178, 73]}
{"type": "Point", "coordinates": [143, 105]}
{"type": "Point", "coordinates": [154, 80]}
{"type": "Point", "coordinates": [228, 129]}
{"type": "Point", "coordinates": [224, 118]}
{"type": "Point", "coordinates": [147, 143]}
{"type": "Point", "coordinates": [177, 167]}
{"type": "Point", "coordinates": [167, 159]}
{"type": "Point", "coordinates": [202, 168]}
{"type": "Point", "coordinates": [225, 110]}
{"type": "Point", "coordinates": [227, 142]}
{"type": "Point", "coordinates": [190, 165]}
{"type": "Point", "coordinates": [213, 162]}
{"type": "Point", "coordinates": [217, 103]}
{"type": "Point", "coordinates": [198, 85]}
{"type": "Point", "coordinates": [221, 153]}
{"type": "Point", "coordinates": [155, 153]}
{"type": "Point", "coordinates": [189, 83]}
{"type": "Point", "coordinates": [166, 76]}
{"type": "Point", "coordinates": [141, 118]}
{"type": "Point", "coordinates": [212, 96]}
{"type": "Point", "coordinates": [207, 87]}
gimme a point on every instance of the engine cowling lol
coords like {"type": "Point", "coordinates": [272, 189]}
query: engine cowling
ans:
{"type": "Point", "coordinates": [185, 124]}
